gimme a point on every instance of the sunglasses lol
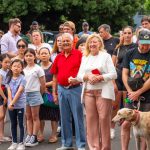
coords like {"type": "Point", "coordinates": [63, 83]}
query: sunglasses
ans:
{"type": "Point", "coordinates": [19, 46]}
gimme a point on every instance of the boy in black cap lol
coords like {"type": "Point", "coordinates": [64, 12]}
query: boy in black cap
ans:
{"type": "Point", "coordinates": [35, 25]}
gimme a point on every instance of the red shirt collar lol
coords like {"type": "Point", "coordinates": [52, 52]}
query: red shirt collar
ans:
{"type": "Point", "coordinates": [71, 53]}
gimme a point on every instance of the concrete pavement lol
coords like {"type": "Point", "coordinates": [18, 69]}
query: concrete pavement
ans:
{"type": "Point", "coordinates": [46, 146]}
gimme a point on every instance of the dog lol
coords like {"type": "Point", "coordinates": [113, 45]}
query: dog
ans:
{"type": "Point", "coordinates": [139, 120]}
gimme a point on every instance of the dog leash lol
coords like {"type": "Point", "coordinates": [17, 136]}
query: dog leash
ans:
{"type": "Point", "coordinates": [141, 98]}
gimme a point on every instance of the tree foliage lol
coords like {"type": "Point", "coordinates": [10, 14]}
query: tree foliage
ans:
{"type": "Point", "coordinates": [147, 6]}
{"type": "Point", "coordinates": [51, 13]}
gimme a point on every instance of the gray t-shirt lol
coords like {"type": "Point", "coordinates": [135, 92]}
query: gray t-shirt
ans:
{"type": "Point", "coordinates": [14, 84]}
{"type": "Point", "coordinates": [3, 73]}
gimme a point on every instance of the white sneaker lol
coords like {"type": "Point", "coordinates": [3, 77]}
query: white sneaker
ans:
{"type": "Point", "coordinates": [58, 129]}
{"type": "Point", "coordinates": [20, 146]}
{"type": "Point", "coordinates": [112, 133]}
{"type": "Point", "coordinates": [13, 146]}
{"type": "Point", "coordinates": [65, 148]}
{"type": "Point", "coordinates": [81, 148]}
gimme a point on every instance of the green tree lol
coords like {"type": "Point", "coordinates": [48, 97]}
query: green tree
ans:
{"type": "Point", "coordinates": [18, 8]}
{"type": "Point", "coordinates": [147, 6]}
{"type": "Point", "coordinates": [51, 13]}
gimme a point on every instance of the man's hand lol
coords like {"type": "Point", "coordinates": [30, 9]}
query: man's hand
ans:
{"type": "Point", "coordinates": [73, 81]}
{"type": "Point", "coordinates": [134, 95]}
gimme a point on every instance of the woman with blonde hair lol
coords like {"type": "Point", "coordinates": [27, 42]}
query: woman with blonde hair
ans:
{"type": "Point", "coordinates": [97, 72]}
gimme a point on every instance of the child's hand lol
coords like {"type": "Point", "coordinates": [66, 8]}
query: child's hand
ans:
{"type": "Point", "coordinates": [5, 101]}
{"type": "Point", "coordinates": [11, 107]}
{"type": "Point", "coordinates": [46, 90]}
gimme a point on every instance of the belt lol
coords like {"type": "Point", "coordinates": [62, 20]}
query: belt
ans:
{"type": "Point", "coordinates": [71, 86]}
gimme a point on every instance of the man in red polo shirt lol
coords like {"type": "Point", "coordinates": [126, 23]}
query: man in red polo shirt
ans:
{"type": "Point", "coordinates": [65, 65]}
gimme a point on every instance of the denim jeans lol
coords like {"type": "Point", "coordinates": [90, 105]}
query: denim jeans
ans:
{"type": "Point", "coordinates": [17, 115]}
{"type": "Point", "coordinates": [70, 104]}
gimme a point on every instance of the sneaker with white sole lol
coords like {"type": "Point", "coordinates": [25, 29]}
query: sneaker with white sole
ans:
{"type": "Point", "coordinates": [33, 141]}
{"type": "Point", "coordinates": [27, 139]}
{"type": "Point", "coordinates": [81, 148]}
{"type": "Point", "coordinates": [13, 146]}
{"type": "Point", "coordinates": [65, 148]}
{"type": "Point", "coordinates": [20, 146]}
{"type": "Point", "coordinates": [112, 133]}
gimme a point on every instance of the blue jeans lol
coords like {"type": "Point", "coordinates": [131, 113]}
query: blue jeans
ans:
{"type": "Point", "coordinates": [17, 114]}
{"type": "Point", "coordinates": [70, 104]}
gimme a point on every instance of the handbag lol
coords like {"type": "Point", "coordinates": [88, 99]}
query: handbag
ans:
{"type": "Point", "coordinates": [49, 101]}
{"type": "Point", "coordinates": [137, 83]}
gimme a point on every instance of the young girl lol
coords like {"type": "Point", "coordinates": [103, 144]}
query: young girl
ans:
{"type": "Point", "coordinates": [35, 86]}
{"type": "Point", "coordinates": [5, 63]}
{"type": "Point", "coordinates": [16, 102]}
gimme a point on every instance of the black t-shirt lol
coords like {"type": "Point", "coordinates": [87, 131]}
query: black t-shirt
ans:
{"type": "Point", "coordinates": [110, 44]}
{"type": "Point", "coordinates": [136, 63]}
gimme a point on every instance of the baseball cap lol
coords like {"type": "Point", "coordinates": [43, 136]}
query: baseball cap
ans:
{"type": "Point", "coordinates": [34, 23]}
{"type": "Point", "coordinates": [144, 36]}
{"type": "Point", "coordinates": [85, 24]}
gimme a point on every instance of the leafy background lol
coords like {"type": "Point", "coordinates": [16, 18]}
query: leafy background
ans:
{"type": "Point", "coordinates": [50, 13]}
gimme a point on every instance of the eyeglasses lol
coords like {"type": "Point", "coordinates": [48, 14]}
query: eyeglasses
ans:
{"type": "Point", "coordinates": [18, 25]}
{"type": "Point", "coordinates": [19, 46]}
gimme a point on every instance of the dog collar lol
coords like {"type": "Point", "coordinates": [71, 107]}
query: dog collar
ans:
{"type": "Point", "coordinates": [136, 120]}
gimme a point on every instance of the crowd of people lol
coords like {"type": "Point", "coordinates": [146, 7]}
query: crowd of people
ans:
{"type": "Point", "coordinates": [83, 76]}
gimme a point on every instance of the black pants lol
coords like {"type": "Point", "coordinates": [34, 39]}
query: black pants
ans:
{"type": "Point", "coordinates": [16, 116]}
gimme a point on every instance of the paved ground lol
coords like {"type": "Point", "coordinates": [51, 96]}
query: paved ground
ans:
{"type": "Point", "coordinates": [46, 146]}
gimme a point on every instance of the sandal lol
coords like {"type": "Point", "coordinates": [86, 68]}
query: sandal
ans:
{"type": "Point", "coordinates": [53, 139]}
{"type": "Point", "coordinates": [5, 139]}
{"type": "Point", "coordinates": [40, 139]}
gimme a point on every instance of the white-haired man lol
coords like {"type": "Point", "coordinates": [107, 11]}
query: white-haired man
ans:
{"type": "Point", "coordinates": [67, 64]}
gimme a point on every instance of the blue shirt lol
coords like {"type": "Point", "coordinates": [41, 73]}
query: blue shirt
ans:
{"type": "Point", "coordinates": [8, 43]}
{"type": "Point", "coordinates": [14, 85]}
{"type": "Point", "coordinates": [81, 33]}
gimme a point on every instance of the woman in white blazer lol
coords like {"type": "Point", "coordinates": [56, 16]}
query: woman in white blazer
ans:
{"type": "Point", "coordinates": [97, 72]}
